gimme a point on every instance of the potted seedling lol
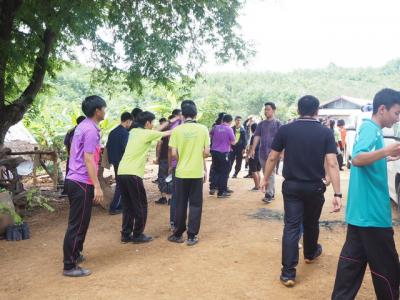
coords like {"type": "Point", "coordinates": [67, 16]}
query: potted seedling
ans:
{"type": "Point", "coordinates": [13, 232]}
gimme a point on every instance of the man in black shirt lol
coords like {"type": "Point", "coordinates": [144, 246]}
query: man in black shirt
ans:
{"type": "Point", "coordinates": [307, 145]}
{"type": "Point", "coordinates": [116, 144]}
{"type": "Point", "coordinates": [238, 149]}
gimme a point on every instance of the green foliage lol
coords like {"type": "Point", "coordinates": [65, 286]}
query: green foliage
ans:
{"type": "Point", "coordinates": [34, 198]}
{"type": "Point", "coordinates": [238, 94]}
{"type": "Point", "coordinates": [7, 210]}
{"type": "Point", "coordinates": [130, 40]}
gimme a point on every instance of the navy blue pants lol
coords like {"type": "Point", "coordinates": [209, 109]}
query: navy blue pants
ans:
{"type": "Point", "coordinates": [303, 202]}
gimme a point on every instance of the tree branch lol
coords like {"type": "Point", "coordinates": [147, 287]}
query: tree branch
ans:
{"type": "Point", "coordinates": [8, 10]}
{"type": "Point", "coordinates": [39, 71]}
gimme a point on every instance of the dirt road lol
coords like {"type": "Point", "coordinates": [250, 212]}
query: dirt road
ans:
{"type": "Point", "coordinates": [238, 256]}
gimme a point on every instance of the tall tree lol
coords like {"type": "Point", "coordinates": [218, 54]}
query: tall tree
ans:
{"type": "Point", "coordinates": [152, 39]}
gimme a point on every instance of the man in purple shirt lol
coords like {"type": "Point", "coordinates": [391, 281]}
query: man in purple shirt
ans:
{"type": "Point", "coordinates": [265, 134]}
{"type": "Point", "coordinates": [222, 140]}
{"type": "Point", "coordinates": [83, 185]}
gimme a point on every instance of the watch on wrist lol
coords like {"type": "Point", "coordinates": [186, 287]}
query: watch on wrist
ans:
{"type": "Point", "coordinates": [339, 195]}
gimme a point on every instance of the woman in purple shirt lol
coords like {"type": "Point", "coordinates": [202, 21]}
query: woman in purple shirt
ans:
{"type": "Point", "coordinates": [222, 140]}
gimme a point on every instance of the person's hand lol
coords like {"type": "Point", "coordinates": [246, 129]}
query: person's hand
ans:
{"type": "Point", "coordinates": [326, 181]}
{"type": "Point", "coordinates": [205, 177]}
{"type": "Point", "coordinates": [98, 195]}
{"type": "Point", "coordinates": [393, 158]}
{"type": "Point", "coordinates": [252, 152]}
{"type": "Point", "coordinates": [393, 150]}
{"type": "Point", "coordinates": [264, 184]}
{"type": "Point", "coordinates": [336, 204]}
{"type": "Point", "coordinates": [243, 152]}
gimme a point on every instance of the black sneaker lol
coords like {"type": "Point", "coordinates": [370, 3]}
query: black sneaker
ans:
{"type": "Point", "coordinates": [192, 241]}
{"type": "Point", "coordinates": [141, 239]}
{"type": "Point", "coordinates": [248, 176]}
{"type": "Point", "coordinates": [175, 239]}
{"type": "Point", "coordinates": [126, 239]}
{"type": "Point", "coordinates": [234, 176]}
{"type": "Point", "coordinates": [212, 192]}
{"type": "Point", "coordinates": [315, 256]}
{"type": "Point", "coordinates": [267, 200]}
{"type": "Point", "coordinates": [229, 191]}
{"type": "Point", "coordinates": [77, 272]}
{"type": "Point", "coordinates": [162, 200]}
{"type": "Point", "coordinates": [286, 281]}
{"type": "Point", "coordinates": [223, 195]}
{"type": "Point", "coordinates": [115, 212]}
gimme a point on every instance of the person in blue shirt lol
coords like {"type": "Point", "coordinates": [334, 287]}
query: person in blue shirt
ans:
{"type": "Point", "coordinates": [116, 144]}
{"type": "Point", "coordinates": [369, 237]}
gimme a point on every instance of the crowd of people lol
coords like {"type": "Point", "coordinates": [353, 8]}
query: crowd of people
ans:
{"type": "Point", "coordinates": [312, 153]}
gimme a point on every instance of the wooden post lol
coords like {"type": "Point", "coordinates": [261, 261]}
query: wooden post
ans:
{"type": "Point", "coordinates": [55, 171]}
{"type": "Point", "coordinates": [36, 159]}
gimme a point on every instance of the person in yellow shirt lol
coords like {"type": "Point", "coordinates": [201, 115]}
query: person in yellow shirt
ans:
{"type": "Point", "coordinates": [130, 178]}
{"type": "Point", "coordinates": [189, 144]}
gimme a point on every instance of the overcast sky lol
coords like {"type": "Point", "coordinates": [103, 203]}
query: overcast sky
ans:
{"type": "Point", "coordinates": [292, 34]}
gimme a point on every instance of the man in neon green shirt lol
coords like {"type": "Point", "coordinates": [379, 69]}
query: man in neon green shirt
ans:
{"type": "Point", "coordinates": [189, 144]}
{"type": "Point", "coordinates": [130, 178]}
{"type": "Point", "coordinates": [369, 237]}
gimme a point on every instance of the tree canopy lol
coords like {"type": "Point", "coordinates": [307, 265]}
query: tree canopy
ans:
{"type": "Point", "coordinates": [134, 40]}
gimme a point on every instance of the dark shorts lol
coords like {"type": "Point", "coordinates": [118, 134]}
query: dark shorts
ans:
{"type": "Point", "coordinates": [254, 165]}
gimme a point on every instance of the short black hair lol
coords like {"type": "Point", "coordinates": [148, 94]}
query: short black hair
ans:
{"type": "Point", "coordinates": [308, 105]}
{"type": "Point", "coordinates": [341, 122]}
{"type": "Point", "coordinates": [125, 116]}
{"type": "Point", "coordinates": [189, 109]}
{"type": "Point", "coordinates": [162, 120]}
{"type": "Point", "coordinates": [387, 97]}
{"type": "Point", "coordinates": [218, 121]}
{"type": "Point", "coordinates": [227, 118]}
{"type": "Point", "coordinates": [332, 124]}
{"type": "Point", "coordinates": [171, 117]}
{"type": "Point", "coordinates": [253, 127]}
{"type": "Point", "coordinates": [144, 117]}
{"type": "Point", "coordinates": [238, 117]}
{"type": "Point", "coordinates": [272, 104]}
{"type": "Point", "coordinates": [176, 112]}
{"type": "Point", "coordinates": [91, 104]}
{"type": "Point", "coordinates": [135, 112]}
{"type": "Point", "coordinates": [80, 119]}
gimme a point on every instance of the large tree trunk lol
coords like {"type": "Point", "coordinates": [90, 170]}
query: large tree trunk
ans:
{"type": "Point", "coordinates": [13, 113]}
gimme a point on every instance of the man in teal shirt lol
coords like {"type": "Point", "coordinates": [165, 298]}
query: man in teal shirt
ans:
{"type": "Point", "coordinates": [369, 237]}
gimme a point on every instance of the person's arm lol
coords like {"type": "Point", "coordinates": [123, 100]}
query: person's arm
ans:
{"type": "Point", "coordinates": [174, 153]}
{"type": "Point", "coordinates": [158, 151]}
{"type": "Point", "coordinates": [169, 161]}
{"type": "Point", "coordinates": [270, 165]}
{"type": "Point", "coordinates": [253, 147]}
{"type": "Point", "coordinates": [333, 171]}
{"type": "Point", "coordinates": [206, 152]}
{"type": "Point", "coordinates": [91, 168]}
{"type": "Point", "coordinates": [205, 171]}
{"type": "Point", "coordinates": [167, 133]}
{"type": "Point", "coordinates": [367, 158]}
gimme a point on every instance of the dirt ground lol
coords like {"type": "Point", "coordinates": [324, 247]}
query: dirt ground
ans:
{"type": "Point", "coordinates": [238, 256]}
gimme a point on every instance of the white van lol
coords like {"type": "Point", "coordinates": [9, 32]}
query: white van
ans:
{"type": "Point", "coordinates": [352, 129]}
{"type": "Point", "coordinates": [391, 135]}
